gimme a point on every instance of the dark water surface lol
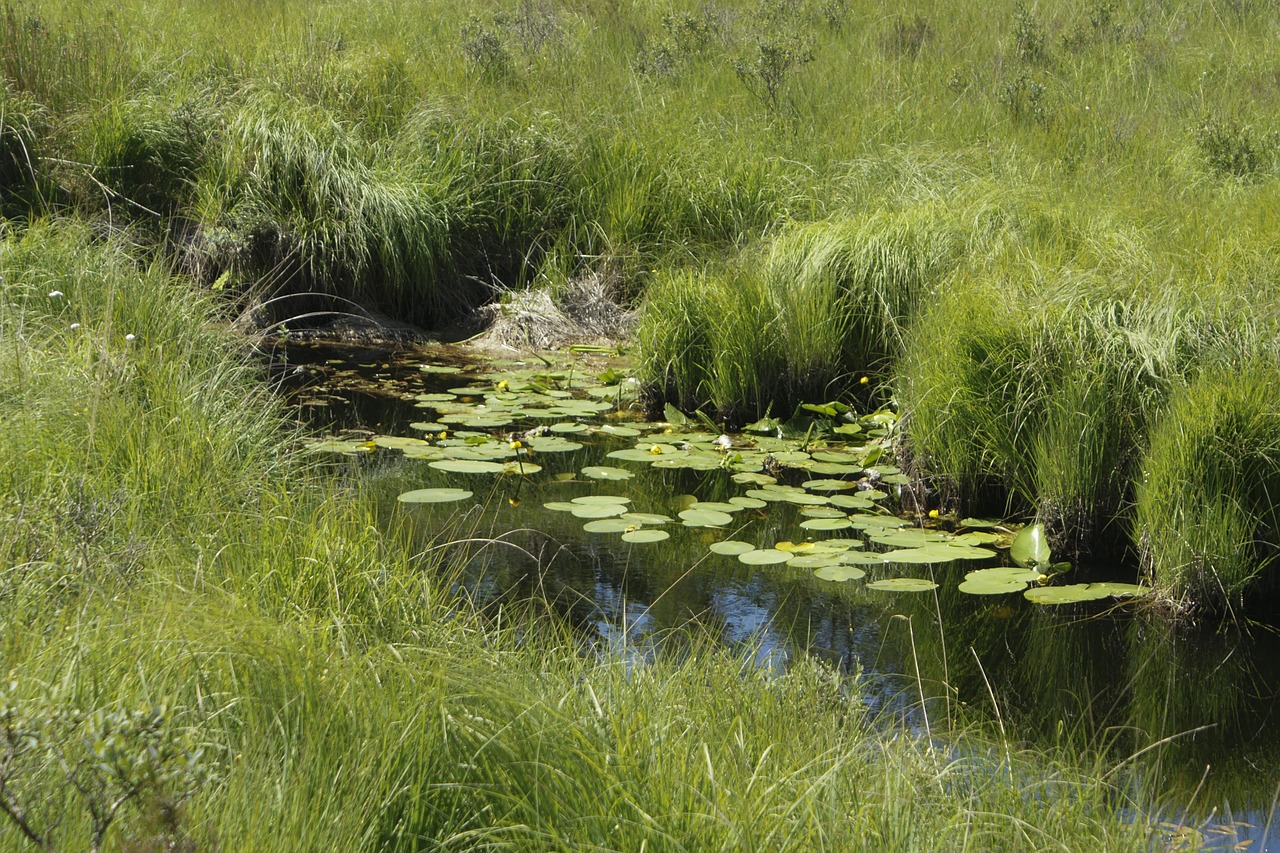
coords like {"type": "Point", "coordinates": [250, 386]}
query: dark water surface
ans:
{"type": "Point", "coordinates": [1196, 706]}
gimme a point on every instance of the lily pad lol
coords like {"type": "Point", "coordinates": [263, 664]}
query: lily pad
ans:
{"type": "Point", "coordinates": [553, 444]}
{"type": "Point", "coordinates": [607, 525]}
{"type": "Point", "coordinates": [754, 478]}
{"type": "Point", "coordinates": [764, 557]}
{"type": "Point", "coordinates": [913, 537]}
{"type": "Point", "coordinates": [597, 510]}
{"type": "Point", "coordinates": [645, 536]}
{"type": "Point", "coordinates": [602, 499]}
{"type": "Point", "coordinates": [633, 454]}
{"type": "Point", "coordinates": [605, 472]}
{"type": "Point", "coordinates": [717, 506]}
{"type": "Point", "coordinates": [468, 466]}
{"type": "Point", "coordinates": [731, 548]}
{"type": "Point", "coordinates": [903, 585]}
{"type": "Point", "coordinates": [1121, 590]}
{"type": "Point", "coordinates": [815, 560]}
{"type": "Point", "coordinates": [826, 524]}
{"type": "Point", "coordinates": [1005, 574]}
{"type": "Point", "coordinates": [822, 512]}
{"type": "Point", "coordinates": [1030, 547]}
{"type": "Point", "coordinates": [434, 496]}
{"type": "Point", "coordinates": [397, 442]}
{"type": "Point", "coordinates": [991, 586]}
{"type": "Point", "coordinates": [828, 485]}
{"type": "Point", "coordinates": [748, 503]}
{"type": "Point", "coordinates": [1071, 594]}
{"type": "Point", "coordinates": [623, 431]}
{"type": "Point", "coordinates": [647, 518]}
{"type": "Point", "coordinates": [705, 518]}
{"type": "Point", "coordinates": [840, 573]}
{"type": "Point", "coordinates": [852, 502]}
{"type": "Point", "coordinates": [937, 554]}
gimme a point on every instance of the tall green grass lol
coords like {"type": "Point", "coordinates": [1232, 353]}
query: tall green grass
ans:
{"type": "Point", "coordinates": [801, 319]}
{"type": "Point", "coordinates": [1205, 516]}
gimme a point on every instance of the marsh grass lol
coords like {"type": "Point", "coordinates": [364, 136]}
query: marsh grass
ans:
{"type": "Point", "coordinates": [1205, 515]}
{"type": "Point", "coordinates": [823, 304]}
{"type": "Point", "coordinates": [162, 545]}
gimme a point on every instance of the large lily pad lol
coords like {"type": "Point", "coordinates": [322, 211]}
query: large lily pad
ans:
{"type": "Point", "coordinates": [607, 525]}
{"type": "Point", "coordinates": [597, 510]}
{"type": "Point", "coordinates": [639, 537]}
{"type": "Point", "coordinates": [606, 472]}
{"type": "Point", "coordinates": [826, 524]}
{"type": "Point", "coordinates": [468, 466]}
{"type": "Point", "coordinates": [1071, 594]}
{"type": "Point", "coordinates": [434, 496]}
{"type": "Point", "coordinates": [705, 518]}
{"type": "Point", "coordinates": [764, 557]}
{"type": "Point", "coordinates": [903, 585]}
{"type": "Point", "coordinates": [731, 548]}
{"type": "Point", "coordinates": [840, 573]}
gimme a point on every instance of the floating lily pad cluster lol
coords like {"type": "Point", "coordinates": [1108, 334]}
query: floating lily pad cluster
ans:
{"type": "Point", "coordinates": [835, 483]}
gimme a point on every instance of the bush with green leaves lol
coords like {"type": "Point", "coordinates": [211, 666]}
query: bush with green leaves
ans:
{"type": "Point", "coordinates": [61, 764]}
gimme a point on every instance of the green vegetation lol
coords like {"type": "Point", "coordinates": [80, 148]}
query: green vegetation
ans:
{"type": "Point", "coordinates": [205, 644]}
{"type": "Point", "coordinates": [1047, 234]}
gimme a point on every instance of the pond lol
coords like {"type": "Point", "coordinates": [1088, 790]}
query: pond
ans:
{"type": "Point", "coordinates": [792, 538]}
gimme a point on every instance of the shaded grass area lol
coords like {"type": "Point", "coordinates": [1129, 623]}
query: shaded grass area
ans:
{"type": "Point", "coordinates": [312, 682]}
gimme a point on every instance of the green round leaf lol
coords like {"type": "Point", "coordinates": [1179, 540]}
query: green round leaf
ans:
{"type": "Point", "coordinates": [1071, 594]}
{"type": "Point", "coordinates": [605, 472]}
{"type": "Point", "coordinates": [991, 587]}
{"type": "Point", "coordinates": [597, 510]}
{"type": "Point", "coordinates": [645, 536]}
{"type": "Point", "coordinates": [840, 573]}
{"type": "Point", "coordinates": [468, 466]}
{"type": "Point", "coordinates": [764, 557]}
{"type": "Point", "coordinates": [826, 524]}
{"type": "Point", "coordinates": [903, 585]}
{"type": "Point", "coordinates": [705, 518]}
{"type": "Point", "coordinates": [434, 496]}
{"type": "Point", "coordinates": [606, 525]}
{"type": "Point", "coordinates": [647, 518]}
{"type": "Point", "coordinates": [731, 548]}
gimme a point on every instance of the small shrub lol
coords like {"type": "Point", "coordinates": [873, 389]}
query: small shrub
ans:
{"type": "Point", "coordinates": [686, 37]}
{"type": "Point", "coordinates": [908, 35]}
{"type": "Point", "coordinates": [486, 52]}
{"type": "Point", "coordinates": [112, 760]}
{"type": "Point", "coordinates": [1029, 40]}
{"type": "Point", "coordinates": [1024, 98]}
{"type": "Point", "coordinates": [1231, 148]}
{"type": "Point", "coordinates": [775, 48]}
{"type": "Point", "coordinates": [834, 13]}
